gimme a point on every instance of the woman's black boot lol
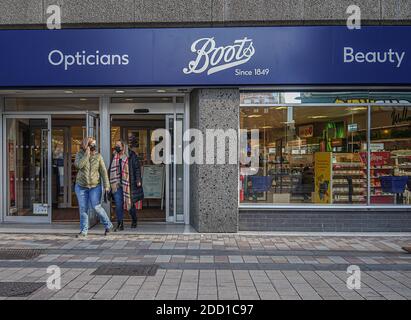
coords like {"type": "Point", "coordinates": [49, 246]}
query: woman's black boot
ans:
{"type": "Point", "coordinates": [119, 227]}
{"type": "Point", "coordinates": [134, 224]}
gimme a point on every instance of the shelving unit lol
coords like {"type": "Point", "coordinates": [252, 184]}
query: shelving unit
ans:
{"type": "Point", "coordinates": [345, 167]}
{"type": "Point", "coordinates": [286, 179]}
{"type": "Point", "coordinates": [402, 163]}
{"type": "Point", "coordinates": [377, 195]}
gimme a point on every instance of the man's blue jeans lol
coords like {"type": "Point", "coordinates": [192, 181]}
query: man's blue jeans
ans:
{"type": "Point", "coordinates": [91, 197]}
{"type": "Point", "coordinates": [119, 201]}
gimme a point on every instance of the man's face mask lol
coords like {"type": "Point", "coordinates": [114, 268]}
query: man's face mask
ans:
{"type": "Point", "coordinates": [92, 146]}
{"type": "Point", "coordinates": [118, 149]}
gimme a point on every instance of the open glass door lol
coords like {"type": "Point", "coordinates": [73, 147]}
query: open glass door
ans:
{"type": "Point", "coordinates": [93, 127]}
{"type": "Point", "coordinates": [27, 154]}
{"type": "Point", "coordinates": [175, 170]}
{"type": "Point", "coordinates": [61, 182]}
{"type": "Point", "coordinates": [93, 130]}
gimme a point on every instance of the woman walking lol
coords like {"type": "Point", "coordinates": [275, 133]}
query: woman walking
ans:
{"type": "Point", "coordinates": [125, 182]}
{"type": "Point", "coordinates": [91, 174]}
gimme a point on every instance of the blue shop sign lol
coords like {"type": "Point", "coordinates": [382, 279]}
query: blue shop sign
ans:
{"type": "Point", "coordinates": [243, 56]}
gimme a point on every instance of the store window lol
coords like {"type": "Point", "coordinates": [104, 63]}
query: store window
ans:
{"type": "Point", "coordinates": [390, 155]}
{"type": "Point", "coordinates": [313, 149]}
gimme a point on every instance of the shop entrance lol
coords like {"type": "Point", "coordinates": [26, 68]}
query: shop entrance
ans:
{"type": "Point", "coordinates": [163, 184]}
{"type": "Point", "coordinates": [39, 149]}
{"type": "Point", "coordinates": [26, 153]}
{"type": "Point", "coordinates": [39, 153]}
{"type": "Point", "coordinates": [134, 120]}
{"type": "Point", "coordinates": [67, 133]}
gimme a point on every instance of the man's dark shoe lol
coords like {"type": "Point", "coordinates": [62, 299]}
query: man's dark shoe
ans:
{"type": "Point", "coordinates": [134, 224]}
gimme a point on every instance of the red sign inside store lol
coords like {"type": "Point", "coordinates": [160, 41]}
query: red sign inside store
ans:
{"type": "Point", "coordinates": [378, 159]}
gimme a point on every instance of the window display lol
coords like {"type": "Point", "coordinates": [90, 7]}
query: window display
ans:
{"type": "Point", "coordinates": [390, 155]}
{"type": "Point", "coordinates": [318, 154]}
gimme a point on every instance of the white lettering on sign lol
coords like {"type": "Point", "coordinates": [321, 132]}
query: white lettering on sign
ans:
{"type": "Point", "coordinates": [213, 59]}
{"type": "Point", "coordinates": [389, 56]}
{"type": "Point", "coordinates": [57, 58]}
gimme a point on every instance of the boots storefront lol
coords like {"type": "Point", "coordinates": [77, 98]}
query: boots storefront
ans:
{"type": "Point", "coordinates": [321, 119]}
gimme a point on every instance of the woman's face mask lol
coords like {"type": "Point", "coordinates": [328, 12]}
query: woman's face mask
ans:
{"type": "Point", "coordinates": [92, 146]}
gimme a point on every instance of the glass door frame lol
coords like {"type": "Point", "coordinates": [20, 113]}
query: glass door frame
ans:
{"type": "Point", "coordinates": [108, 108]}
{"type": "Point", "coordinates": [174, 156]}
{"type": "Point", "coordinates": [93, 130]}
{"type": "Point", "coordinates": [30, 219]}
{"type": "Point", "coordinates": [93, 126]}
{"type": "Point", "coordinates": [67, 164]}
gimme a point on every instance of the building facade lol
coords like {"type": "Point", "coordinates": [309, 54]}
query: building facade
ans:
{"type": "Point", "coordinates": [332, 108]}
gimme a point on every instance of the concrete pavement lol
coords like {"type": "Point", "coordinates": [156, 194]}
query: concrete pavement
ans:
{"type": "Point", "coordinates": [214, 266]}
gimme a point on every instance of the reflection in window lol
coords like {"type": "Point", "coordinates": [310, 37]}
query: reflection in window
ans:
{"type": "Point", "coordinates": [307, 155]}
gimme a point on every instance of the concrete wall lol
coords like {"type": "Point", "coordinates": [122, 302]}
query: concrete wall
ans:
{"type": "Point", "coordinates": [201, 12]}
{"type": "Point", "coordinates": [214, 187]}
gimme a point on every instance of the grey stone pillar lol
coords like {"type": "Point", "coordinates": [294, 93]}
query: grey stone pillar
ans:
{"type": "Point", "coordinates": [214, 187]}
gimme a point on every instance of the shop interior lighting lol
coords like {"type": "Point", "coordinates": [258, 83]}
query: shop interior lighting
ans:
{"type": "Point", "coordinates": [317, 117]}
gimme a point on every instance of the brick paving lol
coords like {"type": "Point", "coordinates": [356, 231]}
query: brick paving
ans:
{"type": "Point", "coordinates": [214, 266]}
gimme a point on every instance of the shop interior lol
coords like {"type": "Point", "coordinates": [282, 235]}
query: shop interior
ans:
{"type": "Point", "coordinates": [28, 159]}
{"type": "Point", "coordinates": [67, 134]}
{"type": "Point", "coordinates": [39, 152]}
{"type": "Point", "coordinates": [136, 130]}
{"type": "Point", "coordinates": [318, 155]}
{"type": "Point", "coordinates": [41, 149]}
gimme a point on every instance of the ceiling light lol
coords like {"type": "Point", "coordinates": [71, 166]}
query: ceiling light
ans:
{"type": "Point", "coordinates": [317, 117]}
{"type": "Point", "coordinates": [129, 99]}
{"type": "Point", "coordinates": [68, 91]}
{"type": "Point", "coordinates": [357, 109]}
{"type": "Point", "coordinates": [120, 91]}
{"type": "Point", "coordinates": [267, 127]}
{"type": "Point", "coordinates": [280, 108]}
{"type": "Point", "coordinates": [83, 99]}
{"type": "Point", "coordinates": [255, 116]}
{"type": "Point", "coordinates": [161, 91]}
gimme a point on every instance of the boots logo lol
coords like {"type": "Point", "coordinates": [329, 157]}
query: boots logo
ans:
{"type": "Point", "coordinates": [212, 58]}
